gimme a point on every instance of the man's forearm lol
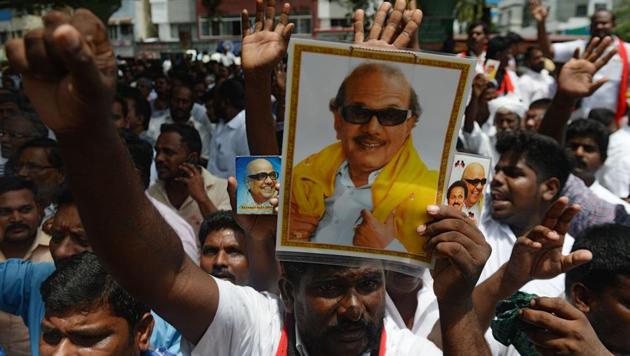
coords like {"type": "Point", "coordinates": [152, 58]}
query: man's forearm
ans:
{"type": "Point", "coordinates": [555, 120]}
{"type": "Point", "coordinates": [461, 332]}
{"type": "Point", "coordinates": [543, 40]}
{"type": "Point", "coordinates": [207, 207]}
{"type": "Point", "coordinates": [261, 128]}
{"type": "Point", "coordinates": [489, 293]}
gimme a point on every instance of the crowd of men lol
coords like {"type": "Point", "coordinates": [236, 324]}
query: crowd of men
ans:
{"type": "Point", "coordinates": [118, 231]}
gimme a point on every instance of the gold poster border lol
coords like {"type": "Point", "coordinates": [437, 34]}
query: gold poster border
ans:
{"type": "Point", "coordinates": [394, 56]}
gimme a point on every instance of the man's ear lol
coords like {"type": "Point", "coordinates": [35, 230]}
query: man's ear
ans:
{"type": "Point", "coordinates": [287, 292]}
{"type": "Point", "coordinates": [193, 157]}
{"type": "Point", "coordinates": [550, 189]}
{"type": "Point", "coordinates": [143, 331]}
{"type": "Point", "coordinates": [582, 297]}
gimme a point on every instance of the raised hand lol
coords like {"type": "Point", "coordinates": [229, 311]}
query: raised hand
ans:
{"type": "Point", "coordinates": [538, 10]}
{"type": "Point", "coordinates": [561, 329]}
{"type": "Point", "coordinates": [68, 69]}
{"type": "Point", "coordinates": [372, 233]}
{"type": "Point", "coordinates": [538, 253]}
{"type": "Point", "coordinates": [264, 46]}
{"type": "Point", "coordinates": [576, 77]}
{"type": "Point", "coordinates": [460, 251]}
{"type": "Point", "coordinates": [391, 35]}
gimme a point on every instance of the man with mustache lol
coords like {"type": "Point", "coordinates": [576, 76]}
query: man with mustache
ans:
{"type": "Point", "coordinates": [219, 317]}
{"type": "Point", "coordinates": [261, 186]}
{"type": "Point", "coordinates": [183, 185]}
{"type": "Point", "coordinates": [535, 83]}
{"type": "Point", "coordinates": [224, 248]}
{"type": "Point", "coordinates": [21, 238]}
{"type": "Point", "coordinates": [610, 93]}
{"type": "Point", "coordinates": [587, 142]}
{"type": "Point", "coordinates": [359, 182]}
{"type": "Point", "coordinates": [456, 194]}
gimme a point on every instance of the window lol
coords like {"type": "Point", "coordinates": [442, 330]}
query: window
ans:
{"type": "Point", "coordinates": [339, 23]}
{"type": "Point", "coordinates": [113, 32]}
{"type": "Point", "coordinates": [600, 6]}
{"type": "Point", "coordinates": [581, 10]}
{"type": "Point", "coordinates": [220, 26]}
{"type": "Point", "coordinates": [126, 29]}
{"type": "Point", "coordinates": [302, 23]}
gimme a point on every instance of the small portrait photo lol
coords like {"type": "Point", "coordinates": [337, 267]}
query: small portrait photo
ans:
{"type": "Point", "coordinates": [258, 177]}
{"type": "Point", "coordinates": [468, 181]}
{"type": "Point", "coordinates": [368, 142]}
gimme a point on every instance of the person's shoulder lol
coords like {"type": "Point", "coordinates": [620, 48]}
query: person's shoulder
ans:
{"type": "Point", "coordinates": [403, 342]}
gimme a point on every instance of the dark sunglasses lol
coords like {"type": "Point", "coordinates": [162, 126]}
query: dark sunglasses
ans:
{"type": "Point", "coordinates": [476, 181]}
{"type": "Point", "coordinates": [356, 114]}
{"type": "Point", "coordinates": [264, 175]}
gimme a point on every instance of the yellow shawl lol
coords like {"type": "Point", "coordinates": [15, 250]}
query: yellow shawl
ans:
{"type": "Point", "coordinates": [404, 184]}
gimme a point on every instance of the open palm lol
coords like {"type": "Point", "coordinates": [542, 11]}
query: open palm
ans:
{"type": "Point", "coordinates": [576, 77]}
{"type": "Point", "coordinates": [264, 46]}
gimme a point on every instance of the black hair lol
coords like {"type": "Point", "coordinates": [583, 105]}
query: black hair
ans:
{"type": "Point", "coordinates": [457, 183]}
{"type": "Point", "coordinates": [540, 104]}
{"type": "Point", "coordinates": [7, 96]}
{"type": "Point", "coordinates": [514, 37]}
{"type": "Point", "coordinates": [232, 90]}
{"type": "Point", "coordinates": [189, 135]}
{"type": "Point", "coordinates": [541, 153]}
{"type": "Point", "coordinates": [47, 144]}
{"type": "Point", "coordinates": [604, 116]}
{"type": "Point", "coordinates": [180, 87]}
{"type": "Point", "coordinates": [610, 246]}
{"type": "Point", "coordinates": [591, 129]}
{"type": "Point", "coordinates": [141, 153]}
{"type": "Point", "coordinates": [15, 183]}
{"type": "Point", "coordinates": [339, 100]}
{"type": "Point", "coordinates": [142, 106]}
{"type": "Point", "coordinates": [529, 52]}
{"type": "Point", "coordinates": [39, 129]}
{"type": "Point", "coordinates": [496, 45]}
{"type": "Point", "coordinates": [64, 197]}
{"type": "Point", "coordinates": [80, 283]}
{"type": "Point", "coordinates": [486, 29]}
{"type": "Point", "coordinates": [123, 104]}
{"type": "Point", "coordinates": [222, 219]}
{"type": "Point", "coordinates": [612, 14]}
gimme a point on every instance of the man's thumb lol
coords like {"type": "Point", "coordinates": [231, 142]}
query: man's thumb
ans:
{"type": "Point", "coordinates": [232, 192]}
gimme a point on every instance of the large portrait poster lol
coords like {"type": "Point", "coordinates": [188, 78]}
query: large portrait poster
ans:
{"type": "Point", "coordinates": [368, 144]}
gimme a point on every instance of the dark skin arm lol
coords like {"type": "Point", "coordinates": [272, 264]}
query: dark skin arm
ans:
{"type": "Point", "coordinates": [539, 13]}
{"type": "Point", "coordinates": [460, 251]}
{"type": "Point", "coordinates": [574, 82]}
{"type": "Point", "coordinates": [69, 75]}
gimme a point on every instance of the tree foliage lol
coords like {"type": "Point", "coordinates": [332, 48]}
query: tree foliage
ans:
{"type": "Point", "coordinates": [622, 23]}
{"type": "Point", "coordinates": [101, 8]}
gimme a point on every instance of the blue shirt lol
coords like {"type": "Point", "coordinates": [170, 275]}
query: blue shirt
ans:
{"type": "Point", "coordinates": [20, 283]}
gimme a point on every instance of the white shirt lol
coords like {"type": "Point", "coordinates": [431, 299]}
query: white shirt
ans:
{"type": "Point", "coordinates": [427, 312]}
{"type": "Point", "coordinates": [606, 195]}
{"type": "Point", "coordinates": [250, 323]}
{"type": "Point", "coordinates": [479, 142]}
{"type": "Point", "coordinates": [156, 123]}
{"type": "Point", "coordinates": [606, 96]}
{"type": "Point", "coordinates": [229, 140]}
{"type": "Point", "coordinates": [183, 229]}
{"type": "Point", "coordinates": [534, 85]}
{"type": "Point", "coordinates": [343, 211]}
{"type": "Point", "coordinates": [614, 175]}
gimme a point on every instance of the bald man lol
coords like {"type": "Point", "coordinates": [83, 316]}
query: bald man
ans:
{"type": "Point", "coordinates": [474, 176]}
{"type": "Point", "coordinates": [261, 186]}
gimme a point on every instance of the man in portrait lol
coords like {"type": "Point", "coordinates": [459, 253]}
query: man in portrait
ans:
{"type": "Point", "coordinates": [370, 187]}
{"type": "Point", "coordinates": [474, 176]}
{"type": "Point", "coordinates": [261, 186]}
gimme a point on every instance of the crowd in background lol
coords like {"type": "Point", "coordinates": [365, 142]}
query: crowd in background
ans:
{"type": "Point", "coordinates": [553, 120]}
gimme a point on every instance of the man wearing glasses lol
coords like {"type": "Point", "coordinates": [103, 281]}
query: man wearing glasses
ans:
{"type": "Point", "coordinates": [475, 178]}
{"type": "Point", "coordinates": [261, 185]}
{"type": "Point", "coordinates": [364, 189]}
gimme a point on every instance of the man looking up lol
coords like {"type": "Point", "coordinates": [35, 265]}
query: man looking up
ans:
{"type": "Point", "coordinates": [39, 161]}
{"type": "Point", "coordinates": [183, 185]}
{"type": "Point", "coordinates": [181, 291]}
{"type": "Point", "coordinates": [230, 138]}
{"type": "Point", "coordinates": [224, 248]}
{"type": "Point", "coordinates": [609, 93]}
{"type": "Point", "coordinates": [587, 142]}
